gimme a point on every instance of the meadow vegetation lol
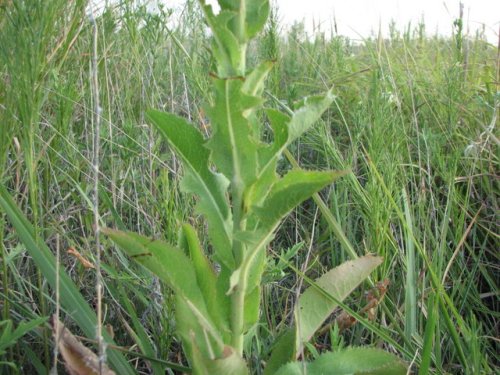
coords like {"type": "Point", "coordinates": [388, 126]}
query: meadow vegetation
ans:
{"type": "Point", "coordinates": [413, 120]}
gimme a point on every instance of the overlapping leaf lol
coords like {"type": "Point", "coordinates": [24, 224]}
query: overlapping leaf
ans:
{"type": "Point", "coordinates": [234, 150]}
{"type": "Point", "coordinates": [254, 86]}
{"type": "Point", "coordinates": [286, 130]}
{"type": "Point", "coordinates": [232, 27]}
{"type": "Point", "coordinates": [206, 279]}
{"type": "Point", "coordinates": [291, 190]}
{"type": "Point", "coordinates": [285, 195]}
{"type": "Point", "coordinates": [226, 49]}
{"type": "Point", "coordinates": [256, 13]}
{"type": "Point", "coordinates": [356, 361]}
{"type": "Point", "coordinates": [171, 265]}
{"type": "Point", "coordinates": [208, 186]}
{"type": "Point", "coordinates": [229, 362]}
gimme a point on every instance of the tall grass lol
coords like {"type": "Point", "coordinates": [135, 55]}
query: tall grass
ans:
{"type": "Point", "coordinates": [414, 119]}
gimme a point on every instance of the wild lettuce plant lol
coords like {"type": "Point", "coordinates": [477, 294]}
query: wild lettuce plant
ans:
{"type": "Point", "coordinates": [243, 199]}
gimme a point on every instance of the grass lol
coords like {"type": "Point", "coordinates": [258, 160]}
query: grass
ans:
{"type": "Point", "coordinates": [414, 119]}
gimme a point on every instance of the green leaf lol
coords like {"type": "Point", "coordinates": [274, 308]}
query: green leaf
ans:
{"type": "Point", "coordinates": [247, 25]}
{"type": "Point", "coordinates": [411, 283]}
{"type": "Point", "coordinates": [138, 332]}
{"type": "Point", "coordinates": [226, 48]}
{"type": "Point", "coordinates": [9, 337]}
{"type": "Point", "coordinates": [234, 150]}
{"type": "Point", "coordinates": [210, 188]}
{"type": "Point", "coordinates": [252, 306]}
{"type": "Point", "coordinates": [174, 268]}
{"type": "Point", "coordinates": [222, 288]}
{"type": "Point", "coordinates": [170, 264]}
{"type": "Point", "coordinates": [228, 363]}
{"type": "Point", "coordinates": [286, 130]}
{"type": "Point", "coordinates": [199, 339]}
{"type": "Point", "coordinates": [254, 82]}
{"type": "Point", "coordinates": [320, 299]}
{"type": "Point", "coordinates": [355, 361]}
{"type": "Point", "coordinates": [291, 190]}
{"type": "Point", "coordinates": [309, 110]}
{"type": "Point", "coordinates": [293, 368]}
{"type": "Point", "coordinates": [254, 86]}
{"type": "Point", "coordinates": [429, 335]}
{"type": "Point", "coordinates": [283, 352]}
{"type": "Point", "coordinates": [71, 300]}
{"type": "Point", "coordinates": [367, 361]}
{"type": "Point", "coordinates": [287, 193]}
{"type": "Point", "coordinates": [257, 13]}
{"type": "Point", "coordinates": [206, 279]}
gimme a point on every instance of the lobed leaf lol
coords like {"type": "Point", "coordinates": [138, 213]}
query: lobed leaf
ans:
{"type": "Point", "coordinates": [233, 147]}
{"type": "Point", "coordinates": [227, 50]}
{"type": "Point", "coordinates": [208, 186]}
{"type": "Point", "coordinates": [174, 268]}
{"type": "Point", "coordinates": [355, 361]}
{"type": "Point", "coordinates": [288, 192]}
{"type": "Point", "coordinates": [254, 86]}
{"type": "Point", "coordinates": [206, 279]}
{"type": "Point", "coordinates": [257, 13]}
{"type": "Point", "coordinates": [252, 21]}
{"type": "Point", "coordinates": [291, 190]}
{"type": "Point", "coordinates": [170, 264]}
{"type": "Point", "coordinates": [286, 130]}
{"type": "Point", "coordinates": [254, 81]}
{"type": "Point", "coordinates": [309, 110]}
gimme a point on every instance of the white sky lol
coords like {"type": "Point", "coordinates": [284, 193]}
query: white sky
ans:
{"type": "Point", "coordinates": [358, 18]}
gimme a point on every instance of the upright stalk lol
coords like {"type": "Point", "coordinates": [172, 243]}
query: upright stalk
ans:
{"type": "Point", "coordinates": [95, 163]}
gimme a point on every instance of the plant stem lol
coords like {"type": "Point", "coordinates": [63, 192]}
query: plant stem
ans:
{"type": "Point", "coordinates": [94, 82]}
{"type": "Point", "coordinates": [237, 315]}
{"type": "Point", "coordinates": [238, 296]}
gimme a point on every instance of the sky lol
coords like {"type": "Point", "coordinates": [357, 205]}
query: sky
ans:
{"type": "Point", "coordinates": [358, 18]}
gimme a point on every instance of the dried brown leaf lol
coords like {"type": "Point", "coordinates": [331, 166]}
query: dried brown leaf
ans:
{"type": "Point", "coordinates": [86, 263]}
{"type": "Point", "coordinates": [78, 359]}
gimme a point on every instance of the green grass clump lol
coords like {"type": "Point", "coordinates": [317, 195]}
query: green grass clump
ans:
{"type": "Point", "coordinates": [414, 119]}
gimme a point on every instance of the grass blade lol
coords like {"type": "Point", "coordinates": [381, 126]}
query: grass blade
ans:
{"type": "Point", "coordinates": [411, 281]}
{"type": "Point", "coordinates": [70, 297]}
{"type": "Point", "coordinates": [429, 336]}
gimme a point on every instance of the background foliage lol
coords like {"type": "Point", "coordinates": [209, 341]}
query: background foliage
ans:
{"type": "Point", "coordinates": [414, 119]}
